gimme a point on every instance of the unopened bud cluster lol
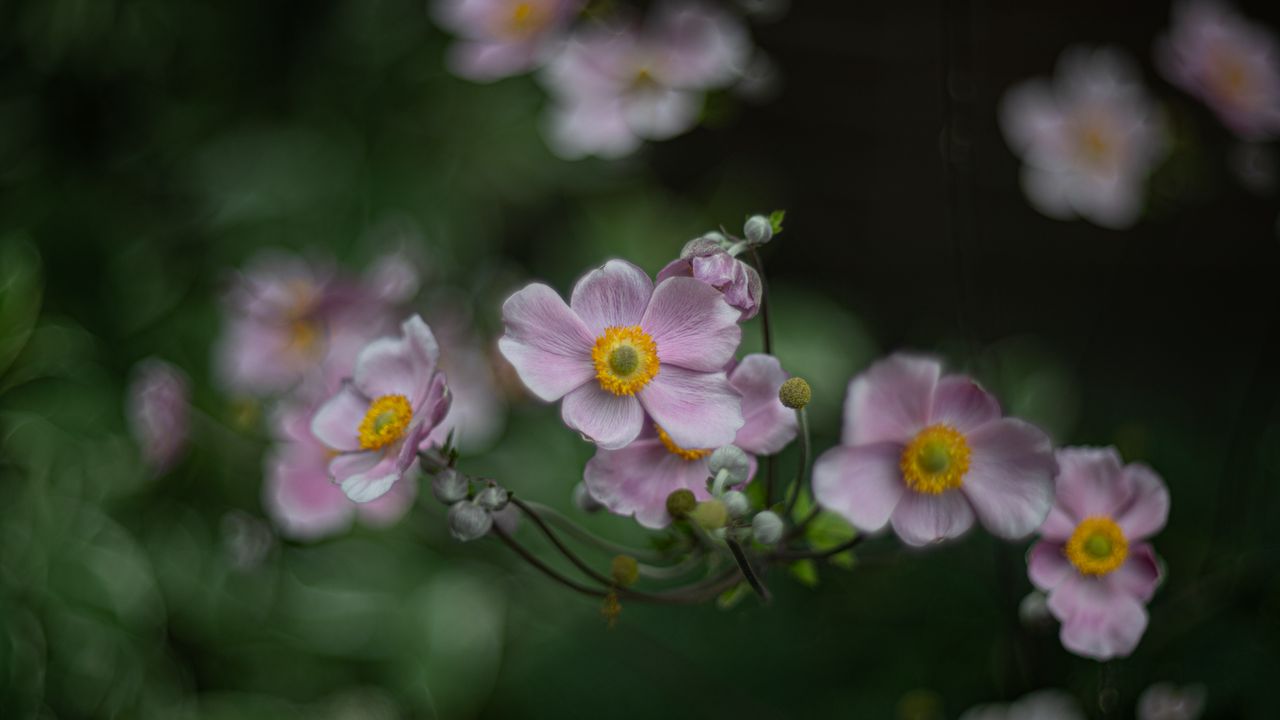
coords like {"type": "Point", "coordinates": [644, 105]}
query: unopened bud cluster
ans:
{"type": "Point", "coordinates": [728, 513]}
{"type": "Point", "coordinates": [470, 517]}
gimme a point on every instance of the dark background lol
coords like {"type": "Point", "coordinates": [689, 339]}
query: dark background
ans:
{"type": "Point", "coordinates": [146, 147]}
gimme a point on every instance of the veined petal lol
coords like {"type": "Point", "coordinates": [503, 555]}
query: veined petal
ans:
{"type": "Point", "coordinates": [1047, 565]}
{"type": "Point", "coordinates": [549, 346]}
{"type": "Point", "coordinates": [337, 422]}
{"type": "Point", "coordinates": [1148, 509]}
{"type": "Point", "coordinates": [1098, 621]}
{"type": "Point", "coordinates": [921, 519]}
{"type": "Point", "coordinates": [692, 324]}
{"type": "Point", "coordinates": [698, 410]}
{"type": "Point", "coordinates": [614, 295]}
{"type": "Point", "coordinates": [891, 400]}
{"type": "Point", "coordinates": [636, 480]}
{"type": "Point", "coordinates": [608, 420]}
{"type": "Point", "coordinates": [768, 424]}
{"type": "Point", "coordinates": [963, 404]}
{"type": "Point", "coordinates": [861, 484]}
{"type": "Point", "coordinates": [1010, 478]}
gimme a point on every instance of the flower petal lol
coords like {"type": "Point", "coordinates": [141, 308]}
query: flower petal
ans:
{"type": "Point", "coordinates": [614, 295]}
{"type": "Point", "coordinates": [692, 325]}
{"type": "Point", "coordinates": [698, 410]}
{"type": "Point", "coordinates": [547, 344]}
{"type": "Point", "coordinates": [299, 496]}
{"type": "Point", "coordinates": [399, 366]}
{"type": "Point", "coordinates": [608, 420]}
{"type": "Point", "coordinates": [1098, 621]}
{"type": "Point", "coordinates": [364, 482]}
{"type": "Point", "coordinates": [389, 508]}
{"type": "Point", "coordinates": [768, 425]}
{"type": "Point", "coordinates": [891, 400]}
{"type": "Point", "coordinates": [1090, 482]}
{"type": "Point", "coordinates": [1047, 565]}
{"type": "Point", "coordinates": [1149, 508]}
{"type": "Point", "coordinates": [921, 519]}
{"type": "Point", "coordinates": [1140, 574]}
{"type": "Point", "coordinates": [963, 404]}
{"type": "Point", "coordinates": [1010, 478]}
{"type": "Point", "coordinates": [861, 484]}
{"type": "Point", "coordinates": [636, 480]}
{"type": "Point", "coordinates": [337, 422]}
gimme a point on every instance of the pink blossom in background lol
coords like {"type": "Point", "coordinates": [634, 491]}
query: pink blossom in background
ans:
{"type": "Point", "coordinates": [926, 452]}
{"type": "Point", "coordinates": [1166, 701]}
{"type": "Point", "coordinates": [477, 412]}
{"type": "Point", "coordinates": [1093, 559]}
{"type": "Point", "coordinates": [617, 85]}
{"type": "Point", "coordinates": [385, 413]}
{"type": "Point", "coordinates": [622, 348]}
{"type": "Point", "coordinates": [158, 405]}
{"type": "Point", "coordinates": [500, 38]}
{"type": "Point", "coordinates": [704, 259]}
{"type": "Point", "coordinates": [1039, 705]}
{"type": "Point", "coordinates": [299, 495]}
{"type": "Point", "coordinates": [1088, 140]}
{"type": "Point", "coordinates": [290, 320]}
{"type": "Point", "coordinates": [1230, 63]}
{"type": "Point", "coordinates": [637, 479]}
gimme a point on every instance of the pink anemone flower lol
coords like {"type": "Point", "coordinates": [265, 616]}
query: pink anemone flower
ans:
{"type": "Point", "coordinates": [1089, 140]}
{"type": "Point", "coordinates": [1092, 558]}
{"type": "Point", "coordinates": [704, 259]}
{"type": "Point", "coordinates": [380, 418]}
{"type": "Point", "coordinates": [637, 479]}
{"type": "Point", "coordinates": [299, 496]}
{"type": "Point", "coordinates": [1230, 63]}
{"type": "Point", "coordinates": [927, 452]}
{"type": "Point", "coordinates": [622, 348]}
{"type": "Point", "coordinates": [502, 37]}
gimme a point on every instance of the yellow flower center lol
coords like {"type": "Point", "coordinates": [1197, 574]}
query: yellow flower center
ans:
{"type": "Point", "coordinates": [1095, 145]}
{"type": "Point", "coordinates": [676, 450]}
{"type": "Point", "coordinates": [626, 359]}
{"type": "Point", "coordinates": [524, 18]}
{"type": "Point", "coordinates": [1097, 546]}
{"type": "Point", "coordinates": [386, 421]}
{"type": "Point", "coordinates": [304, 337]}
{"type": "Point", "coordinates": [935, 460]}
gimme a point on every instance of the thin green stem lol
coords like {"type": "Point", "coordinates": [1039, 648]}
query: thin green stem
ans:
{"type": "Point", "coordinates": [668, 572]}
{"type": "Point", "coordinates": [748, 572]}
{"type": "Point", "coordinates": [546, 569]}
{"type": "Point", "coordinates": [584, 535]}
{"type": "Point", "coordinates": [764, 302]}
{"type": "Point", "coordinates": [802, 420]}
{"type": "Point", "coordinates": [789, 555]}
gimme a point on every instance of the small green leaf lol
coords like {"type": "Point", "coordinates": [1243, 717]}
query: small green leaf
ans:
{"type": "Point", "coordinates": [827, 529]}
{"type": "Point", "coordinates": [844, 560]}
{"type": "Point", "coordinates": [806, 571]}
{"type": "Point", "coordinates": [775, 219]}
{"type": "Point", "coordinates": [733, 596]}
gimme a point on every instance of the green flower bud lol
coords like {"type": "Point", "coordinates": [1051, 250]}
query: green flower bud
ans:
{"type": "Point", "coordinates": [625, 570]}
{"type": "Point", "coordinates": [733, 460]}
{"type": "Point", "coordinates": [449, 486]}
{"type": "Point", "coordinates": [681, 503]}
{"type": "Point", "coordinates": [767, 527]}
{"type": "Point", "coordinates": [736, 503]}
{"type": "Point", "coordinates": [468, 521]}
{"type": "Point", "coordinates": [758, 230]}
{"type": "Point", "coordinates": [711, 515]}
{"type": "Point", "coordinates": [795, 393]}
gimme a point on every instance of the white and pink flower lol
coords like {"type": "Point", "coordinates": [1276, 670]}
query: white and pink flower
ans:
{"type": "Point", "coordinates": [637, 479]}
{"type": "Point", "coordinates": [1230, 63]}
{"type": "Point", "coordinates": [501, 38]}
{"type": "Point", "coordinates": [928, 452]}
{"type": "Point", "coordinates": [1088, 140]}
{"type": "Point", "coordinates": [703, 258]}
{"type": "Point", "coordinates": [617, 85]}
{"type": "Point", "coordinates": [385, 413]}
{"type": "Point", "coordinates": [623, 348]}
{"type": "Point", "coordinates": [158, 404]}
{"type": "Point", "coordinates": [1093, 559]}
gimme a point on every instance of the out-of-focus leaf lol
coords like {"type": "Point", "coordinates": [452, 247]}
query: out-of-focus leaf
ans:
{"type": "Point", "coordinates": [775, 220]}
{"type": "Point", "coordinates": [825, 531]}
{"type": "Point", "coordinates": [20, 291]}
{"type": "Point", "coordinates": [806, 571]}
{"type": "Point", "coordinates": [731, 597]}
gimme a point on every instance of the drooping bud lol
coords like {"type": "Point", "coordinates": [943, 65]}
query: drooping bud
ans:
{"type": "Point", "coordinates": [758, 230]}
{"type": "Point", "coordinates": [795, 393]}
{"type": "Point", "coordinates": [584, 501]}
{"type": "Point", "coordinates": [625, 570]}
{"type": "Point", "coordinates": [493, 498]}
{"type": "Point", "coordinates": [736, 503]}
{"type": "Point", "coordinates": [1033, 611]}
{"type": "Point", "coordinates": [767, 527]}
{"type": "Point", "coordinates": [733, 461]}
{"type": "Point", "coordinates": [449, 486]}
{"type": "Point", "coordinates": [680, 503]}
{"type": "Point", "coordinates": [710, 515]}
{"type": "Point", "coordinates": [468, 521]}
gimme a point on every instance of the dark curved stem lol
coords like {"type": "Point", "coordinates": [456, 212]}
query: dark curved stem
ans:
{"type": "Point", "coordinates": [748, 572]}
{"type": "Point", "coordinates": [765, 328]}
{"type": "Point", "coordinates": [570, 555]}
{"type": "Point", "coordinates": [801, 472]}
{"type": "Point", "coordinates": [546, 569]}
{"type": "Point", "coordinates": [817, 554]}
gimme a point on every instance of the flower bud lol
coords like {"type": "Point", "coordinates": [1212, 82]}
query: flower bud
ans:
{"type": "Point", "coordinates": [736, 503]}
{"type": "Point", "coordinates": [681, 503]}
{"type": "Point", "coordinates": [758, 230]}
{"type": "Point", "coordinates": [584, 501]}
{"type": "Point", "coordinates": [449, 486]}
{"type": "Point", "coordinates": [767, 527]}
{"type": "Point", "coordinates": [732, 459]}
{"type": "Point", "coordinates": [711, 515]}
{"type": "Point", "coordinates": [625, 570]}
{"type": "Point", "coordinates": [1033, 611]}
{"type": "Point", "coordinates": [468, 521]}
{"type": "Point", "coordinates": [795, 393]}
{"type": "Point", "coordinates": [492, 498]}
